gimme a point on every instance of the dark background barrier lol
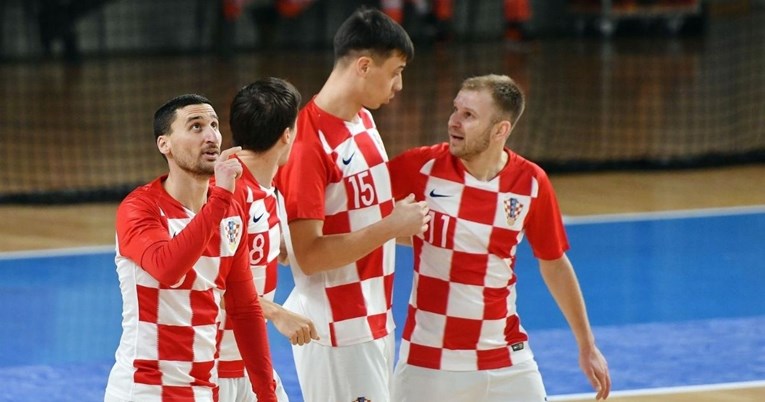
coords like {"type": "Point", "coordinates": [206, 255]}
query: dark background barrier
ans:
{"type": "Point", "coordinates": [640, 88]}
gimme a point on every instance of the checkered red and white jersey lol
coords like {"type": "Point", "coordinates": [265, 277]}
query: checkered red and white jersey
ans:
{"type": "Point", "coordinates": [462, 313]}
{"type": "Point", "coordinates": [168, 348]}
{"type": "Point", "coordinates": [263, 237]}
{"type": "Point", "coordinates": [337, 173]}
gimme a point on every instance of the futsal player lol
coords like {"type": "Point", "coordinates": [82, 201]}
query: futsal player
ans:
{"type": "Point", "coordinates": [181, 252]}
{"type": "Point", "coordinates": [342, 219]}
{"type": "Point", "coordinates": [262, 121]}
{"type": "Point", "coordinates": [463, 336]}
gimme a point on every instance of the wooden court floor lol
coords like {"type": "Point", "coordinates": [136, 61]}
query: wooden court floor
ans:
{"type": "Point", "coordinates": [44, 227]}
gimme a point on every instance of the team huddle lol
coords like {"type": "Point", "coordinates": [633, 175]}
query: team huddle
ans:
{"type": "Point", "coordinates": [198, 248]}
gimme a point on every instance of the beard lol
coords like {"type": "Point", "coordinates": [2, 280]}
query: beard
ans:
{"type": "Point", "coordinates": [196, 167]}
{"type": "Point", "coordinates": [471, 149]}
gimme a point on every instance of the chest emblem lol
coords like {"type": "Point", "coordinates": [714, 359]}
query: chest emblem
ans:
{"type": "Point", "coordinates": [513, 208]}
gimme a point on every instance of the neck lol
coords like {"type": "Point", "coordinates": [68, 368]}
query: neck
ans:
{"type": "Point", "coordinates": [263, 166]}
{"type": "Point", "coordinates": [487, 165]}
{"type": "Point", "coordinates": [188, 189]}
{"type": "Point", "coordinates": [337, 97]}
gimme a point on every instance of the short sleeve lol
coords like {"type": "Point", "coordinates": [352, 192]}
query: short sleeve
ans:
{"type": "Point", "coordinates": [303, 181]}
{"type": "Point", "coordinates": [405, 175]}
{"type": "Point", "coordinates": [544, 225]}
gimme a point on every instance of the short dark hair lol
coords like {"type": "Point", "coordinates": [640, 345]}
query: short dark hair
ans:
{"type": "Point", "coordinates": [165, 115]}
{"type": "Point", "coordinates": [261, 111]}
{"type": "Point", "coordinates": [370, 30]}
{"type": "Point", "coordinates": [507, 95]}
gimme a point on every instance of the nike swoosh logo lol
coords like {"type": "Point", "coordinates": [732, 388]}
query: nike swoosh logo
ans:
{"type": "Point", "coordinates": [255, 220]}
{"type": "Point", "coordinates": [347, 161]}
{"type": "Point", "coordinates": [433, 194]}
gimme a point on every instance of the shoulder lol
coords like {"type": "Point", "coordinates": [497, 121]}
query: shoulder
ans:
{"type": "Point", "coordinates": [521, 164]}
{"type": "Point", "coordinates": [525, 175]}
{"type": "Point", "coordinates": [308, 118]}
{"type": "Point", "coordinates": [420, 155]}
{"type": "Point", "coordinates": [143, 195]}
{"type": "Point", "coordinates": [141, 204]}
{"type": "Point", "coordinates": [366, 117]}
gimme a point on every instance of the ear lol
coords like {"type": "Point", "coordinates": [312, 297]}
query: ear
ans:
{"type": "Point", "coordinates": [363, 64]}
{"type": "Point", "coordinates": [163, 144]}
{"type": "Point", "coordinates": [287, 135]}
{"type": "Point", "coordinates": [503, 129]}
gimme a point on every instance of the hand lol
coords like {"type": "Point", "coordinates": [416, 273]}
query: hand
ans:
{"type": "Point", "coordinates": [284, 257]}
{"type": "Point", "coordinates": [298, 329]}
{"type": "Point", "coordinates": [227, 169]}
{"type": "Point", "coordinates": [594, 366]}
{"type": "Point", "coordinates": [411, 217]}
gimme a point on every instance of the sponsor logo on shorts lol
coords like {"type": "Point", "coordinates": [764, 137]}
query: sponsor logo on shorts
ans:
{"type": "Point", "coordinates": [517, 346]}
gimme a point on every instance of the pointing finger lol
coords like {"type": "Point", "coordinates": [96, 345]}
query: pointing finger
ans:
{"type": "Point", "coordinates": [224, 155]}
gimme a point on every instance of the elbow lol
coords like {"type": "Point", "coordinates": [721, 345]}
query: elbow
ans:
{"type": "Point", "coordinates": [158, 262]}
{"type": "Point", "coordinates": [309, 266]}
{"type": "Point", "coordinates": [303, 258]}
{"type": "Point", "coordinates": [170, 280]}
{"type": "Point", "coordinates": [242, 307]}
{"type": "Point", "coordinates": [167, 275]}
{"type": "Point", "coordinates": [310, 262]}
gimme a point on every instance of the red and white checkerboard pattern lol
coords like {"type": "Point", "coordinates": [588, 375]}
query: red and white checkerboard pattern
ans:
{"type": "Point", "coordinates": [350, 304]}
{"type": "Point", "coordinates": [264, 236]}
{"type": "Point", "coordinates": [168, 348]}
{"type": "Point", "coordinates": [462, 312]}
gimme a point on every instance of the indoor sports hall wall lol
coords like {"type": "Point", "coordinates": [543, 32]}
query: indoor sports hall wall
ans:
{"type": "Point", "coordinates": [76, 100]}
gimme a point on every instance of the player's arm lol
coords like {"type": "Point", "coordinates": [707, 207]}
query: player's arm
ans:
{"type": "Point", "coordinates": [244, 310]}
{"type": "Point", "coordinates": [283, 257]}
{"type": "Point", "coordinates": [403, 182]}
{"type": "Point", "coordinates": [316, 252]}
{"type": "Point", "coordinates": [297, 328]}
{"type": "Point", "coordinates": [560, 278]}
{"type": "Point", "coordinates": [146, 241]}
{"type": "Point", "coordinates": [404, 241]}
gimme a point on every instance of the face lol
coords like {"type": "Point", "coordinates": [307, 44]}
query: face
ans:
{"type": "Point", "coordinates": [471, 124]}
{"type": "Point", "coordinates": [194, 140]}
{"type": "Point", "coordinates": [383, 81]}
{"type": "Point", "coordinates": [284, 157]}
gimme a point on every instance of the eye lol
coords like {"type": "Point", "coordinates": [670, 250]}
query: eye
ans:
{"type": "Point", "coordinates": [196, 126]}
{"type": "Point", "coordinates": [214, 124]}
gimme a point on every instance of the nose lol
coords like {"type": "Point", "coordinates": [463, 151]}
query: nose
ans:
{"type": "Point", "coordinates": [398, 85]}
{"type": "Point", "coordinates": [212, 135]}
{"type": "Point", "coordinates": [453, 121]}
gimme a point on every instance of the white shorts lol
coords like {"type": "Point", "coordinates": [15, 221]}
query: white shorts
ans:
{"type": "Point", "coordinates": [111, 398]}
{"type": "Point", "coordinates": [519, 383]}
{"type": "Point", "coordinates": [345, 373]}
{"type": "Point", "coordinates": [240, 390]}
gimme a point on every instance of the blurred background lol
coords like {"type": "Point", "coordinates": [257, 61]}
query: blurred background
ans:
{"type": "Point", "coordinates": [611, 84]}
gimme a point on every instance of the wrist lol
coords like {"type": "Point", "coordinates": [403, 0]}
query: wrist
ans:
{"type": "Point", "coordinates": [587, 344]}
{"type": "Point", "coordinates": [271, 310]}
